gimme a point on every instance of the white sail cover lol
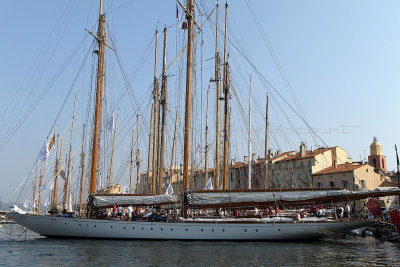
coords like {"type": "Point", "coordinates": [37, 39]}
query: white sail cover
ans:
{"type": "Point", "coordinates": [110, 200]}
{"type": "Point", "coordinates": [221, 198]}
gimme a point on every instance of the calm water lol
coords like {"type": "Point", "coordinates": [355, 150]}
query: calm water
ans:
{"type": "Point", "coordinates": [27, 249]}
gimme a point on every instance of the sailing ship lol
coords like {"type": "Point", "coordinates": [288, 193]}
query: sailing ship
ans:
{"type": "Point", "coordinates": [185, 224]}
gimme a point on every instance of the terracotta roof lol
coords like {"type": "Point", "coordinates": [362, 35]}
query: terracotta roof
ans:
{"type": "Point", "coordinates": [388, 184]}
{"type": "Point", "coordinates": [309, 154]}
{"type": "Point", "coordinates": [340, 168]}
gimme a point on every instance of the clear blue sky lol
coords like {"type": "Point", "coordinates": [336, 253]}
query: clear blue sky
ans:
{"type": "Point", "coordinates": [341, 58]}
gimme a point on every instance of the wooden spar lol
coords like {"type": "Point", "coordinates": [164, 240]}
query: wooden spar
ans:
{"type": "Point", "coordinates": [59, 164]}
{"type": "Point", "coordinates": [266, 145]}
{"type": "Point", "coordinates": [66, 183]}
{"type": "Point", "coordinates": [112, 151]}
{"type": "Point", "coordinates": [40, 185]}
{"type": "Point", "coordinates": [34, 187]}
{"type": "Point", "coordinates": [218, 108]}
{"type": "Point", "coordinates": [250, 156]}
{"type": "Point", "coordinates": [148, 156]}
{"type": "Point", "coordinates": [82, 169]}
{"type": "Point", "coordinates": [173, 147]}
{"type": "Point", "coordinates": [226, 107]}
{"type": "Point", "coordinates": [206, 150]}
{"type": "Point", "coordinates": [137, 155]}
{"type": "Point", "coordinates": [163, 102]}
{"type": "Point", "coordinates": [130, 177]}
{"type": "Point", "coordinates": [155, 117]}
{"type": "Point", "coordinates": [99, 95]}
{"type": "Point", "coordinates": [190, 9]}
{"type": "Point", "coordinates": [56, 172]}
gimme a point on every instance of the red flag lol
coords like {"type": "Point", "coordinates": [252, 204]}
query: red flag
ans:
{"type": "Point", "coordinates": [373, 207]}
{"type": "Point", "coordinates": [395, 216]}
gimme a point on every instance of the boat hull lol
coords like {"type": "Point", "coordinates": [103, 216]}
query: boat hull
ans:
{"type": "Point", "coordinates": [108, 229]}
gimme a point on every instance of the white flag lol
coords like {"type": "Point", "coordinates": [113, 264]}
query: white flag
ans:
{"type": "Point", "coordinates": [126, 189]}
{"type": "Point", "coordinates": [26, 204]}
{"type": "Point", "coordinates": [51, 187]}
{"type": "Point", "coordinates": [170, 190]}
{"type": "Point", "coordinates": [209, 185]}
{"type": "Point", "coordinates": [44, 186]}
{"type": "Point", "coordinates": [44, 152]}
{"type": "Point", "coordinates": [47, 203]}
{"type": "Point", "coordinates": [110, 123]}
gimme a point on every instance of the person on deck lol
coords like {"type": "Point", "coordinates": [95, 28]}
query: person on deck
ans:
{"type": "Point", "coordinates": [270, 212]}
{"type": "Point", "coordinates": [114, 210]}
{"type": "Point", "coordinates": [277, 211]}
{"type": "Point", "coordinates": [130, 210]}
{"type": "Point", "coordinates": [119, 211]}
{"type": "Point", "coordinates": [313, 210]}
{"type": "Point", "coordinates": [235, 213]}
{"type": "Point", "coordinates": [347, 211]}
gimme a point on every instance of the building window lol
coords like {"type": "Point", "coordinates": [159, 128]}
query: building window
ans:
{"type": "Point", "coordinates": [319, 185]}
{"type": "Point", "coordinates": [331, 184]}
{"type": "Point", "coordinates": [301, 164]}
{"type": "Point", "coordinates": [374, 162]}
{"type": "Point", "coordinates": [294, 164]}
{"type": "Point", "coordinates": [344, 184]}
{"type": "Point", "coordinates": [363, 184]}
{"type": "Point", "coordinates": [309, 163]}
{"type": "Point", "coordinates": [383, 164]}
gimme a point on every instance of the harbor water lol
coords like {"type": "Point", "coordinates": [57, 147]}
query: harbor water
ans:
{"type": "Point", "coordinates": [19, 247]}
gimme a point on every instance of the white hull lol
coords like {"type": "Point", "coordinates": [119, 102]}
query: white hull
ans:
{"type": "Point", "coordinates": [90, 228]}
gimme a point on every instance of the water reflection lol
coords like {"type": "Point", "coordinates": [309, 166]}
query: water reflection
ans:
{"type": "Point", "coordinates": [354, 251]}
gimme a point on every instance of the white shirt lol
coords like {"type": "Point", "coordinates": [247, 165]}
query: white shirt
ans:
{"type": "Point", "coordinates": [119, 210]}
{"type": "Point", "coordinates": [130, 210]}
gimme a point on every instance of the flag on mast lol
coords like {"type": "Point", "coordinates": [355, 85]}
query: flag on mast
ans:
{"type": "Point", "coordinates": [209, 185]}
{"type": "Point", "coordinates": [170, 190]}
{"type": "Point", "coordinates": [177, 14]}
{"type": "Point", "coordinates": [44, 152]}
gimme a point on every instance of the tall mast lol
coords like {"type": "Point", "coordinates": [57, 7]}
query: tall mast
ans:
{"type": "Point", "coordinates": [266, 144]}
{"type": "Point", "coordinates": [250, 156]}
{"type": "Point", "coordinates": [190, 9]}
{"type": "Point", "coordinates": [163, 102]}
{"type": "Point", "coordinates": [66, 184]}
{"type": "Point", "coordinates": [59, 164]}
{"type": "Point", "coordinates": [155, 117]}
{"type": "Point", "coordinates": [34, 186]}
{"type": "Point", "coordinates": [206, 152]}
{"type": "Point", "coordinates": [56, 171]}
{"type": "Point", "coordinates": [218, 109]}
{"type": "Point", "coordinates": [173, 146]}
{"type": "Point", "coordinates": [137, 155]}
{"type": "Point", "coordinates": [130, 177]}
{"type": "Point", "coordinates": [82, 169]}
{"type": "Point", "coordinates": [99, 94]}
{"type": "Point", "coordinates": [148, 156]}
{"type": "Point", "coordinates": [226, 107]}
{"type": "Point", "coordinates": [40, 186]}
{"type": "Point", "coordinates": [112, 151]}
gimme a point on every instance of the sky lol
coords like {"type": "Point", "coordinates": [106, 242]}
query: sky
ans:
{"type": "Point", "coordinates": [341, 59]}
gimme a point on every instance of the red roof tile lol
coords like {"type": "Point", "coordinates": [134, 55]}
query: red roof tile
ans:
{"type": "Point", "coordinates": [340, 168]}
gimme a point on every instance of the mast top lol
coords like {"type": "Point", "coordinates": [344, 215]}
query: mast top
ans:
{"type": "Point", "coordinates": [101, 7]}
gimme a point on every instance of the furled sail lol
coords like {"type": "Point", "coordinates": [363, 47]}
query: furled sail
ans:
{"type": "Point", "coordinates": [124, 200]}
{"type": "Point", "coordinates": [261, 198]}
